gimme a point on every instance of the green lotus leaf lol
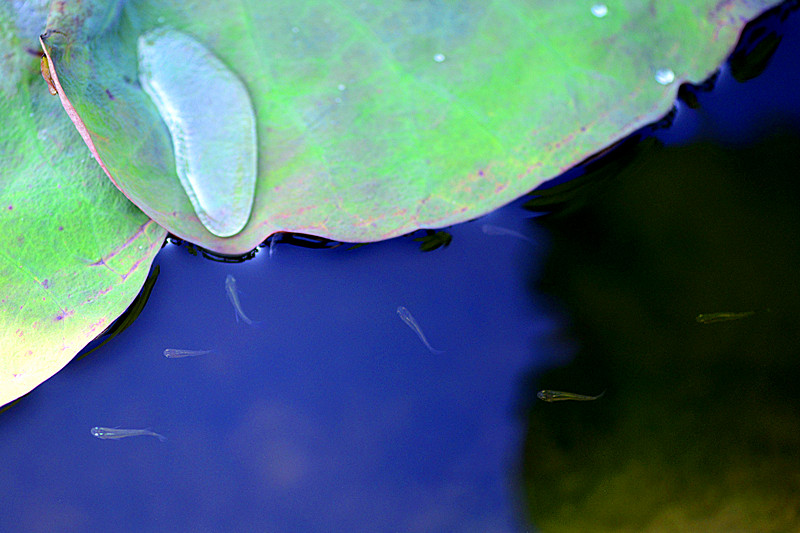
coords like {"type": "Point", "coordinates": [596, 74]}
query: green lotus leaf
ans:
{"type": "Point", "coordinates": [73, 251]}
{"type": "Point", "coordinates": [374, 119]}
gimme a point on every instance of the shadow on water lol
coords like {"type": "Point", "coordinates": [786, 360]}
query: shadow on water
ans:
{"type": "Point", "coordinates": [127, 318]}
{"type": "Point", "coordinates": [700, 426]}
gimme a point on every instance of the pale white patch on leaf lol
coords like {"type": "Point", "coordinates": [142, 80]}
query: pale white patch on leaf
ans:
{"type": "Point", "coordinates": [665, 76]}
{"type": "Point", "coordinates": [210, 117]}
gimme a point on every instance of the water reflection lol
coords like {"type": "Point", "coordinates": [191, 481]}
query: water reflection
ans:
{"type": "Point", "coordinates": [700, 425]}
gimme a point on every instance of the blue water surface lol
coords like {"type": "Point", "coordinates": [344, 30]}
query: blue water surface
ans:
{"type": "Point", "coordinates": [328, 414]}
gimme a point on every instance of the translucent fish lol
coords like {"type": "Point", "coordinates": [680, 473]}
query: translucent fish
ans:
{"type": "Point", "coordinates": [210, 118]}
{"type": "Point", "coordinates": [406, 317]}
{"type": "Point", "coordinates": [489, 229]}
{"type": "Point", "coordinates": [273, 240]}
{"type": "Point", "coordinates": [116, 433]}
{"type": "Point", "coordinates": [175, 353]}
{"type": "Point", "coordinates": [233, 297]}
{"type": "Point", "coordinates": [725, 316]}
{"type": "Point", "coordinates": [557, 396]}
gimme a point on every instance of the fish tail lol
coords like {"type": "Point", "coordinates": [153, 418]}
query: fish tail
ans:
{"type": "Point", "coordinates": [247, 320]}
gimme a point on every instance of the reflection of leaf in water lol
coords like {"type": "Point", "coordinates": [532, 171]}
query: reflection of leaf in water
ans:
{"type": "Point", "coordinates": [131, 313]}
{"type": "Point", "coordinates": [752, 56]}
{"type": "Point", "coordinates": [9, 405]}
{"type": "Point", "coordinates": [688, 92]}
{"type": "Point", "coordinates": [197, 251]}
{"type": "Point", "coordinates": [598, 171]}
{"type": "Point", "coordinates": [434, 240]}
{"type": "Point", "coordinates": [308, 241]}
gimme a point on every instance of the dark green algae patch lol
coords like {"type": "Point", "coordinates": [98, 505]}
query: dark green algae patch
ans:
{"type": "Point", "coordinates": [700, 427]}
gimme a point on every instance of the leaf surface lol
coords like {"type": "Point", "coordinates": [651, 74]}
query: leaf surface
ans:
{"type": "Point", "coordinates": [378, 118]}
{"type": "Point", "coordinates": [73, 251]}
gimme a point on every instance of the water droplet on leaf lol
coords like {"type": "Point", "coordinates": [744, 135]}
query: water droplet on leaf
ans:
{"type": "Point", "coordinates": [599, 10]}
{"type": "Point", "coordinates": [665, 76]}
{"type": "Point", "coordinates": [212, 124]}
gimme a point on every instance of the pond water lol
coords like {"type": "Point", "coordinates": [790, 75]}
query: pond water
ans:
{"type": "Point", "coordinates": [329, 413]}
